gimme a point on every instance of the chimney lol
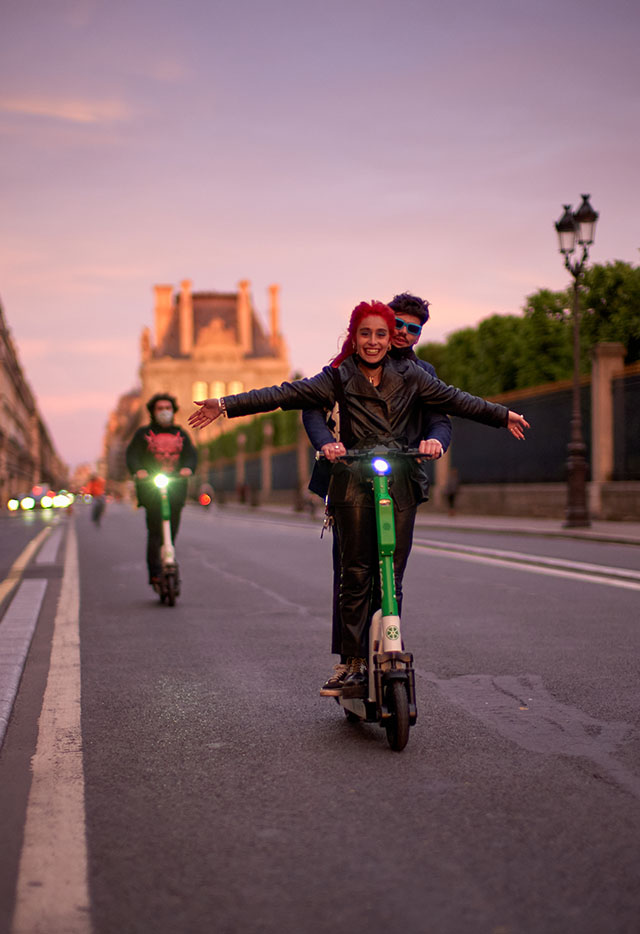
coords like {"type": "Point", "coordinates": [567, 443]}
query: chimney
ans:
{"type": "Point", "coordinates": [163, 312]}
{"type": "Point", "coordinates": [244, 316]}
{"type": "Point", "coordinates": [185, 304]}
{"type": "Point", "coordinates": [274, 314]}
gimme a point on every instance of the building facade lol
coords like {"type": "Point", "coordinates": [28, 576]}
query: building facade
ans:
{"type": "Point", "coordinates": [202, 344]}
{"type": "Point", "coordinates": [27, 454]}
{"type": "Point", "coordinates": [210, 344]}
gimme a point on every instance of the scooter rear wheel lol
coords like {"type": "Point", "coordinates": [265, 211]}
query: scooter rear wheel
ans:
{"type": "Point", "coordinates": [397, 726]}
{"type": "Point", "coordinates": [172, 589]}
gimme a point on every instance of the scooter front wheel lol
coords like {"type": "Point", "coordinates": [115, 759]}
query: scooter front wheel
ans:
{"type": "Point", "coordinates": [397, 726]}
{"type": "Point", "coordinates": [172, 589]}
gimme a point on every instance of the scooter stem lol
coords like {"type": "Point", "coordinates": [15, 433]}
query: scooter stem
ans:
{"type": "Point", "coordinates": [386, 544]}
{"type": "Point", "coordinates": [167, 551]}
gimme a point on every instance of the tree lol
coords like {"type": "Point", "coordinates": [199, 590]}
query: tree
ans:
{"type": "Point", "coordinates": [611, 306]}
{"type": "Point", "coordinates": [507, 352]}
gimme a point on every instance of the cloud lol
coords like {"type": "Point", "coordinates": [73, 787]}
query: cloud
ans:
{"type": "Point", "coordinates": [169, 71]}
{"type": "Point", "coordinates": [69, 403]}
{"type": "Point", "coordinates": [36, 348]}
{"type": "Point", "coordinates": [79, 13]}
{"type": "Point", "coordinates": [72, 111]}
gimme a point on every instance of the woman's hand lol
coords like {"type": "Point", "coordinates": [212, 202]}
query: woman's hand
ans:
{"type": "Point", "coordinates": [517, 425]}
{"type": "Point", "coordinates": [208, 412]}
{"type": "Point", "coordinates": [333, 451]}
{"type": "Point", "coordinates": [185, 471]}
{"type": "Point", "coordinates": [431, 448]}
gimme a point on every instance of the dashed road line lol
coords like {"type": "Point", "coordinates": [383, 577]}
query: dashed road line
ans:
{"type": "Point", "coordinates": [16, 633]}
{"type": "Point", "coordinates": [17, 568]}
{"type": "Point", "coordinates": [52, 895]}
{"type": "Point", "coordinates": [49, 551]}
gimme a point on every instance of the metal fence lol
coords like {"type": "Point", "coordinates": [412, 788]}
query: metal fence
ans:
{"type": "Point", "coordinates": [626, 427]}
{"type": "Point", "coordinates": [487, 455]}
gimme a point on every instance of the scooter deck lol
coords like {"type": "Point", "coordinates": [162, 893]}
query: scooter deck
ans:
{"type": "Point", "coordinates": [362, 708]}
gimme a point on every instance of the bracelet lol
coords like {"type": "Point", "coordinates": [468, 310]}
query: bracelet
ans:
{"type": "Point", "coordinates": [223, 407]}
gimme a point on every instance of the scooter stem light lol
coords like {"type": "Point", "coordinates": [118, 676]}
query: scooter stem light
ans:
{"type": "Point", "coordinates": [161, 481]}
{"type": "Point", "coordinates": [381, 466]}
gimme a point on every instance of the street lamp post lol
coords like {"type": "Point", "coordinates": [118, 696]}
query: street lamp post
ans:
{"type": "Point", "coordinates": [576, 227]}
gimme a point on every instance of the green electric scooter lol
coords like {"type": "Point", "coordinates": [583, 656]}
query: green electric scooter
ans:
{"type": "Point", "coordinates": [391, 693]}
{"type": "Point", "coordinates": [168, 587]}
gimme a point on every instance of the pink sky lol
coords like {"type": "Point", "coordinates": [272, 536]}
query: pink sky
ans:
{"type": "Point", "coordinates": [347, 150]}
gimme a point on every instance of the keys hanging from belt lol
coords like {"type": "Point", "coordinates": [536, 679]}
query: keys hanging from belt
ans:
{"type": "Point", "coordinates": [327, 522]}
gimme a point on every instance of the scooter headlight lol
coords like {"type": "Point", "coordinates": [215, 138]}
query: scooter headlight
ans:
{"type": "Point", "coordinates": [381, 466]}
{"type": "Point", "coordinates": [27, 502]}
{"type": "Point", "coordinates": [13, 504]}
{"type": "Point", "coordinates": [161, 481]}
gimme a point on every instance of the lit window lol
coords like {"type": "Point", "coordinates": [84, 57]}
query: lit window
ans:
{"type": "Point", "coordinates": [199, 390]}
{"type": "Point", "coordinates": [216, 389]}
{"type": "Point", "coordinates": [235, 386]}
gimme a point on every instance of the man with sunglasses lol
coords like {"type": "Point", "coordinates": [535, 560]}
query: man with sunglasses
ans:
{"type": "Point", "coordinates": [433, 434]}
{"type": "Point", "coordinates": [412, 313]}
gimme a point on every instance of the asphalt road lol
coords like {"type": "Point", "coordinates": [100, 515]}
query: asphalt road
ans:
{"type": "Point", "coordinates": [223, 794]}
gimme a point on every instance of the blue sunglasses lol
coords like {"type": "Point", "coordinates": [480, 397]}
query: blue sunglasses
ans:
{"type": "Point", "coordinates": [414, 329]}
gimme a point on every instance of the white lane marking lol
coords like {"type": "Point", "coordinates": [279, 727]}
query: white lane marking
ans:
{"type": "Point", "coordinates": [17, 568]}
{"type": "Point", "coordinates": [52, 895]}
{"type": "Point", "coordinates": [16, 633]}
{"type": "Point", "coordinates": [531, 568]}
{"type": "Point", "coordinates": [49, 551]}
{"type": "Point", "coordinates": [526, 558]}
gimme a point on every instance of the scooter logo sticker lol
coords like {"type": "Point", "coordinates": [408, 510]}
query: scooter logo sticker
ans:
{"type": "Point", "coordinates": [392, 632]}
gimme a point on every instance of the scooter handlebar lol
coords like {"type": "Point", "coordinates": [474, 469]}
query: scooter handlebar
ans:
{"type": "Point", "coordinates": [412, 453]}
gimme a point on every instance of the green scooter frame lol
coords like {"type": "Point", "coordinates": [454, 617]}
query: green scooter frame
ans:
{"type": "Point", "coordinates": [391, 693]}
{"type": "Point", "coordinates": [169, 587]}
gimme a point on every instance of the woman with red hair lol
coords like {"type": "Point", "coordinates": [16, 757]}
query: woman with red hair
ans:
{"type": "Point", "coordinates": [379, 399]}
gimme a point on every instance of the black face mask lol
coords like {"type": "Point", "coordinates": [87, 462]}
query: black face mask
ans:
{"type": "Point", "coordinates": [367, 363]}
{"type": "Point", "coordinates": [399, 353]}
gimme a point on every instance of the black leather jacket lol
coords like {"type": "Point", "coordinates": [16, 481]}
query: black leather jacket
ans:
{"type": "Point", "coordinates": [386, 414]}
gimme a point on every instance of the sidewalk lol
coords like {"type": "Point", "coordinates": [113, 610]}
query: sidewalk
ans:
{"type": "Point", "coordinates": [626, 533]}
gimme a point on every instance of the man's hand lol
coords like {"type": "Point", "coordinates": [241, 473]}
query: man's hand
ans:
{"type": "Point", "coordinates": [431, 448]}
{"type": "Point", "coordinates": [517, 424]}
{"type": "Point", "coordinates": [185, 471]}
{"type": "Point", "coordinates": [333, 451]}
{"type": "Point", "coordinates": [141, 474]}
{"type": "Point", "coordinates": [208, 412]}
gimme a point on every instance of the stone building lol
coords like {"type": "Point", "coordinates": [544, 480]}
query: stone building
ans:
{"type": "Point", "coordinates": [202, 344]}
{"type": "Point", "coordinates": [210, 344]}
{"type": "Point", "coordinates": [27, 454]}
{"type": "Point", "coordinates": [121, 424]}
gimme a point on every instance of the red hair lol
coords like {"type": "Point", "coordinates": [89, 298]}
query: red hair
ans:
{"type": "Point", "coordinates": [363, 310]}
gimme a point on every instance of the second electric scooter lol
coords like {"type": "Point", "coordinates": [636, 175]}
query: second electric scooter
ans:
{"type": "Point", "coordinates": [168, 587]}
{"type": "Point", "coordinates": [391, 696]}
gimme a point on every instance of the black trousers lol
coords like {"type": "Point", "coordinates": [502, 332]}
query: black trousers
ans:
{"type": "Point", "coordinates": [154, 535]}
{"type": "Point", "coordinates": [356, 594]}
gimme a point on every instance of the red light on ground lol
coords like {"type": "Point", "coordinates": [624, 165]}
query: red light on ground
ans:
{"type": "Point", "coordinates": [204, 499]}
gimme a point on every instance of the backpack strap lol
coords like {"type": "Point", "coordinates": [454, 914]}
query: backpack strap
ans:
{"type": "Point", "coordinates": [345, 421]}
